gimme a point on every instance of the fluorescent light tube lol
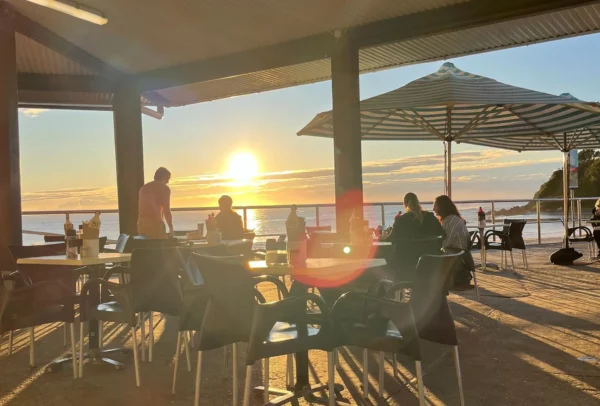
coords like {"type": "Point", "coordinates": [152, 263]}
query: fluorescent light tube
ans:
{"type": "Point", "coordinates": [74, 9]}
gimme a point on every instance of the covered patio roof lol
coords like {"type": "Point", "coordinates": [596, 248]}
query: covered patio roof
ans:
{"type": "Point", "coordinates": [181, 53]}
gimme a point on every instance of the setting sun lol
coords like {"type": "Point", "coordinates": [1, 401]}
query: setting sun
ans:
{"type": "Point", "coordinates": [242, 166]}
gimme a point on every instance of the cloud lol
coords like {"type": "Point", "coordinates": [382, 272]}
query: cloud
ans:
{"type": "Point", "coordinates": [33, 113]}
{"type": "Point", "coordinates": [382, 180]}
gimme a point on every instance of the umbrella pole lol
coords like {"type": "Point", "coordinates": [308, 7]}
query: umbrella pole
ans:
{"type": "Point", "coordinates": [449, 169]}
{"type": "Point", "coordinates": [566, 196]}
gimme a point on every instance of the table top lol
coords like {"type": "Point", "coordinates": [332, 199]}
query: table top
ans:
{"type": "Point", "coordinates": [103, 258]}
{"type": "Point", "coordinates": [316, 266]}
{"type": "Point", "coordinates": [229, 243]}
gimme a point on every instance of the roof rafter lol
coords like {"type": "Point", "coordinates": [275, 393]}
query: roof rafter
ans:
{"type": "Point", "coordinates": [447, 19]}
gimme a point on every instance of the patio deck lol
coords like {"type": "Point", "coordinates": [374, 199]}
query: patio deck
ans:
{"type": "Point", "coordinates": [525, 344]}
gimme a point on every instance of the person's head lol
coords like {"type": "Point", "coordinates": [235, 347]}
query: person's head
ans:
{"type": "Point", "coordinates": [598, 204]}
{"type": "Point", "coordinates": [444, 207]}
{"type": "Point", "coordinates": [162, 175]}
{"type": "Point", "coordinates": [412, 205]}
{"type": "Point", "coordinates": [225, 203]}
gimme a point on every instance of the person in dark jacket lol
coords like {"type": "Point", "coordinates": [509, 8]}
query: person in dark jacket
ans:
{"type": "Point", "coordinates": [413, 235]}
{"type": "Point", "coordinates": [229, 223]}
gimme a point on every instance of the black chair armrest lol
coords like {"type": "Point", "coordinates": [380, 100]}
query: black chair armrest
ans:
{"type": "Point", "coordinates": [491, 233]}
{"type": "Point", "coordinates": [42, 294]}
{"type": "Point", "coordinates": [116, 270]}
{"type": "Point", "coordinates": [587, 231]}
{"type": "Point", "coordinates": [275, 281]}
{"type": "Point", "coordinates": [20, 279]}
{"type": "Point", "coordinates": [121, 293]}
{"type": "Point", "coordinates": [294, 309]}
{"type": "Point", "coordinates": [380, 286]}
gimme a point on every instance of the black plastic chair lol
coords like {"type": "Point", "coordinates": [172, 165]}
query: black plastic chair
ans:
{"type": "Point", "coordinates": [271, 329]}
{"type": "Point", "coordinates": [429, 303]}
{"type": "Point", "coordinates": [475, 240]}
{"type": "Point", "coordinates": [153, 286]}
{"type": "Point", "coordinates": [35, 305]}
{"type": "Point", "coordinates": [587, 237]}
{"type": "Point", "coordinates": [511, 237]}
{"type": "Point", "coordinates": [375, 323]}
{"type": "Point", "coordinates": [408, 252]}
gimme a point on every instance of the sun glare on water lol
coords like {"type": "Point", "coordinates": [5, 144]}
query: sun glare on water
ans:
{"type": "Point", "coordinates": [243, 166]}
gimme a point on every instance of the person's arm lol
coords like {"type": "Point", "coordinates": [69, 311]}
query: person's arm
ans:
{"type": "Point", "coordinates": [240, 226]}
{"type": "Point", "coordinates": [167, 210]}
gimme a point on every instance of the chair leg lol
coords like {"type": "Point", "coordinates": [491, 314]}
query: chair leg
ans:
{"type": "Point", "coordinates": [32, 347]}
{"type": "Point", "coordinates": [461, 395]}
{"type": "Point", "coordinates": [234, 372]}
{"type": "Point", "coordinates": [248, 386]}
{"type": "Point", "coordinates": [265, 380]}
{"type": "Point", "coordinates": [142, 318]}
{"type": "Point", "coordinates": [198, 376]}
{"type": "Point", "coordinates": [136, 361]}
{"type": "Point", "coordinates": [290, 371]}
{"type": "Point", "coordinates": [151, 334]}
{"type": "Point", "coordinates": [177, 352]}
{"type": "Point", "coordinates": [395, 364]}
{"type": "Point", "coordinates": [81, 326]}
{"type": "Point", "coordinates": [331, 377]}
{"type": "Point", "coordinates": [365, 374]}
{"type": "Point", "coordinates": [10, 342]}
{"type": "Point", "coordinates": [65, 339]}
{"type": "Point", "coordinates": [381, 373]}
{"type": "Point", "coordinates": [186, 344]}
{"type": "Point", "coordinates": [73, 350]}
{"type": "Point", "coordinates": [420, 383]}
{"type": "Point", "coordinates": [100, 334]}
{"type": "Point", "coordinates": [225, 361]}
{"type": "Point", "coordinates": [476, 285]}
{"type": "Point", "coordinates": [512, 261]}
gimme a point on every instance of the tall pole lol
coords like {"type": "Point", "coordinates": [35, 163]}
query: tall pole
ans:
{"type": "Point", "coordinates": [346, 131]}
{"type": "Point", "coordinates": [10, 173]}
{"type": "Point", "coordinates": [129, 153]}
{"type": "Point", "coordinates": [566, 197]}
{"type": "Point", "coordinates": [449, 169]}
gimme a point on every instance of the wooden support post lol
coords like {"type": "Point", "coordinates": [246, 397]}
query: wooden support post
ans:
{"type": "Point", "coordinates": [129, 152]}
{"type": "Point", "coordinates": [346, 132]}
{"type": "Point", "coordinates": [10, 173]}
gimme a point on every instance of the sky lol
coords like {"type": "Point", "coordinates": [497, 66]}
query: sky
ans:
{"type": "Point", "coordinates": [68, 160]}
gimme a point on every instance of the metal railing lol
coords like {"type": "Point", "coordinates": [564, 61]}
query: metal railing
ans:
{"type": "Point", "coordinates": [576, 213]}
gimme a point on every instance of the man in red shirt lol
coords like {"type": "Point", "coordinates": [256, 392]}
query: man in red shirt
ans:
{"type": "Point", "coordinates": [155, 207]}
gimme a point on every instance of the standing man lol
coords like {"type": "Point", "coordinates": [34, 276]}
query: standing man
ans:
{"type": "Point", "coordinates": [155, 207]}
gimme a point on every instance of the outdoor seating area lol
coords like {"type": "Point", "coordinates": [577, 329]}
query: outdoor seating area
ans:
{"type": "Point", "coordinates": [531, 330]}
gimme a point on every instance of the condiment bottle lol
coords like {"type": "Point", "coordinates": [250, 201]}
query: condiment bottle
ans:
{"type": "Point", "coordinates": [481, 217]}
{"type": "Point", "coordinates": [72, 244]}
{"type": "Point", "coordinates": [68, 224]}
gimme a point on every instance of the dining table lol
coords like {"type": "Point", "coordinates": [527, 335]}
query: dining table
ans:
{"type": "Point", "coordinates": [94, 267]}
{"type": "Point", "coordinates": [482, 229]}
{"type": "Point", "coordinates": [333, 277]}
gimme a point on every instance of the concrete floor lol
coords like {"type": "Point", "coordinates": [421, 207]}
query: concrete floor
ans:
{"type": "Point", "coordinates": [533, 340]}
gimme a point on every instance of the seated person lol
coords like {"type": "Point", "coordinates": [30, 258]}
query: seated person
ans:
{"type": "Point", "coordinates": [230, 223]}
{"type": "Point", "coordinates": [596, 226]}
{"type": "Point", "coordinates": [410, 235]}
{"type": "Point", "coordinates": [457, 239]}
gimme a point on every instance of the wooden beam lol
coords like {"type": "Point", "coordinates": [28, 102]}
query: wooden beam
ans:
{"type": "Point", "coordinates": [129, 153]}
{"type": "Point", "coordinates": [55, 42]}
{"type": "Point", "coordinates": [447, 19]}
{"type": "Point", "coordinates": [10, 178]}
{"type": "Point", "coordinates": [346, 132]}
{"type": "Point", "coordinates": [64, 83]}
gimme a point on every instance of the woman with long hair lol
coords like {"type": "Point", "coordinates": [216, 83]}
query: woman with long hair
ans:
{"type": "Point", "coordinates": [416, 222]}
{"type": "Point", "coordinates": [457, 235]}
{"type": "Point", "coordinates": [596, 226]}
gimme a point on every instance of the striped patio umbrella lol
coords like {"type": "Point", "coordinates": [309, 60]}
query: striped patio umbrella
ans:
{"type": "Point", "coordinates": [452, 105]}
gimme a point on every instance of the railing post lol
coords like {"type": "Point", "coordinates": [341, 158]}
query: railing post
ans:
{"type": "Point", "coordinates": [383, 216]}
{"type": "Point", "coordinates": [579, 216]}
{"type": "Point", "coordinates": [539, 225]}
{"type": "Point", "coordinates": [245, 212]}
{"type": "Point", "coordinates": [317, 216]}
{"type": "Point", "coordinates": [493, 219]}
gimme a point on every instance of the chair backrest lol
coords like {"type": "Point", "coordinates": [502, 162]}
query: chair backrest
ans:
{"type": "Point", "coordinates": [408, 252]}
{"type": "Point", "coordinates": [230, 311]}
{"type": "Point", "coordinates": [515, 234]}
{"type": "Point", "coordinates": [121, 245]}
{"type": "Point", "coordinates": [428, 298]}
{"type": "Point", "coordinates": [54, 238]}
{"type": "Point", "coordinates": [155, 281]}
{"type": "Point", "coordinates": [34, 251]}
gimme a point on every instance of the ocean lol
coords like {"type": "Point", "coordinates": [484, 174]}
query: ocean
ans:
{"type": "Point", "coordinates": [272, 221]}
